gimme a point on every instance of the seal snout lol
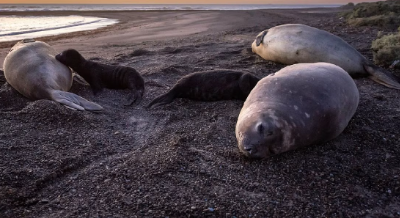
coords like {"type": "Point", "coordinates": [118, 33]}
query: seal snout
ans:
{"type": "Point", "coordinates": [58, 56]}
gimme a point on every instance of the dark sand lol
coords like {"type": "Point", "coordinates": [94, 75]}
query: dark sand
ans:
{"type": "Point", "coordinates": [182, 159]}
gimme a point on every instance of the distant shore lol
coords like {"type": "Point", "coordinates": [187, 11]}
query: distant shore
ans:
{"type": "Point", "coordinates": [139, 26]}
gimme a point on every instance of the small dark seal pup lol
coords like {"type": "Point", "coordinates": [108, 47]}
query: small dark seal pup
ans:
{"type": "Point", "coordinates": [101, 76]}
{"type": "Point", "coordinates": [211, 85]}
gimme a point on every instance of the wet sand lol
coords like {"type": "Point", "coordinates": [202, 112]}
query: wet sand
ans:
{"type": "Point", "coordinates": [182, 159]}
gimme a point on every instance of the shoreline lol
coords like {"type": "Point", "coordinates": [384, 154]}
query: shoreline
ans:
{"type": "Point", "coordinates": [108, 13]}
{"type": "Point", "coordinates": [54, 28]}
{"type": "Point", "coordinates": [140, 26]}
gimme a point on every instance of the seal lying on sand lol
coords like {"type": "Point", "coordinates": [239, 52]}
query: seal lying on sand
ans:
{"type": "Point", "coordinates": [298, 43]}
{"type": "Point", "coordinates": [300, 105]}
{"type": "Point", "coordinates": [31, 69]}
{"type": "Point", "coordinates": [211, 85]}
{"type": "Point", "coordinates": [101, 76]}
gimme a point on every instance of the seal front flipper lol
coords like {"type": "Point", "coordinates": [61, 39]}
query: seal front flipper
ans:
{"type": "Point", "coordinates": [134, 96]}
{"type": "Point", "coordinates": [382, 76]}
{"type": "Point", "coordinates": [74, 101]}
{"type": "Point", "coordinates": [163, 99]}
{"type": "Point", "coordinates": [79, 79]}
{"type": "Point", "coordinates": [260, 37]}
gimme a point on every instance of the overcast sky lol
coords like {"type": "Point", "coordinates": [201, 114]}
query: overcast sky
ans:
{"type": "Point", "coordinates": [180, 1]}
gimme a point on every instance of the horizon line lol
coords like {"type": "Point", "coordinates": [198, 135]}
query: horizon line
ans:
{"type": "Point", "coordinates": [160, 4]}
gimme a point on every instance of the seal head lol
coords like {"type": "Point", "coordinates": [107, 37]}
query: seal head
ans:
{"type": "Point", "coordinates": [261, 136]}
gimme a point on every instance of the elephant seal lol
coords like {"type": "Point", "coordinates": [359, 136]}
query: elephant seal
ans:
{"type": "Point", "coordinates": [300, 105]}
{"type": "Point", "coordinates": [210, 85]}
{"type": "Point", "coordinates": [298, 43]}
{"type": "Point", "coordinates": [31, 69]}
{"type": "Point", "coordinates": [101, 76]}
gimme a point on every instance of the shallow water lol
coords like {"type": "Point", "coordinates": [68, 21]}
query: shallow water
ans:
{"type": "Point", "coordinates": [21, 27]}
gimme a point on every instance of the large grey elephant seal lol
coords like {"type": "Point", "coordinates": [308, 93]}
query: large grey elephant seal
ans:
{"type": "Point", "coordinates": [101, 76]}
{"type": "Point", "coordinates": [213, 85]}
{"type": "Point", "coordinates": [302, 104]}
{"type": "Point", "coordinates": [31, 68]}
{"type": "Point", "coordinates": [298, 43]}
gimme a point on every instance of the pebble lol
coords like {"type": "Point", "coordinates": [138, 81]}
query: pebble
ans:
{"type": "Point", "coordinates": [44, 201]}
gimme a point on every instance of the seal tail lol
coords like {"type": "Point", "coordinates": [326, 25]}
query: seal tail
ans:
{"type": "Point", "coordinates": [382, 76]}
{"type": "Point", "coordinates": [74, 101]}
{"type": "Point", "coordinates": [162, 100]}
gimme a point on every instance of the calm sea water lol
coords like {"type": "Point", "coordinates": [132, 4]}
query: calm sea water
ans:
{"type": "Point", "coordinates": [20, 27]}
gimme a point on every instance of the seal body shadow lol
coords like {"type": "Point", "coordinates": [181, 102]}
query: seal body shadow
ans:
{"type": "Point", "coordinates": [211, 85]}
{"type": "Point", "coordinates": [298, 43]}
{"type": "Point", "coordinates": [101, 76]}
{"type": "Point", "coordinates": [300, 105]}
{"type": "Point", "coordinates": [31, 69]}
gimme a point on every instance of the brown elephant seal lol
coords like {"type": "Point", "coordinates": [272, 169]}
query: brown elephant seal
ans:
{"type": "Point", "coordinates": [210, 85]}
{"type": "Point", "coordinates": [298, 43]}
{"type": "Point", "coordinates": [31, 69]}
{"type": "Point", "coordinates": [300, 105]}
{"type": "Point", "coordinates": [101, 76]}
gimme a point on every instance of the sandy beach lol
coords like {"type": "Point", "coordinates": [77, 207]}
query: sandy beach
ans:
{"type": "Point", "coordinates": [182, 160]}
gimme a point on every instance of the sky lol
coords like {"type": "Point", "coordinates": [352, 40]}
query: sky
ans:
{"type": "Point", "coordinates": [180, 1]}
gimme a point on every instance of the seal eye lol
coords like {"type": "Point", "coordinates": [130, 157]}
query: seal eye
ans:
{"type": "Point", "coordinates": [270, 133]}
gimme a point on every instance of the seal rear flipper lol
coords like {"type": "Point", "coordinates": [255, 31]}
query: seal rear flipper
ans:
{"type": "Point", "coordinates": [74, 101]}
{"type": "Point", "coordinates": [382, 76]}
{"type": "Point", "coordinates": [162, 100]}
